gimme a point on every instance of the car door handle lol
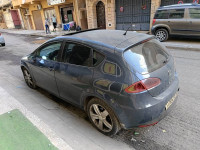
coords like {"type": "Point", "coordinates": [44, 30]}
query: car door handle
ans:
{"type": "Point", "coordinates": [51, 68]}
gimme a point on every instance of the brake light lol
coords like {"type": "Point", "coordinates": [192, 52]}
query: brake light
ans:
{"type": "Point", "coordinates": [154, 21]}
{"type": "Point", "coordinates": [0, 34]}
{"type": "Point", "coordinates": [143, 85]}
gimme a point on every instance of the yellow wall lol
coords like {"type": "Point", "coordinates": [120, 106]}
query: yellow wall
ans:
{"type": "Point", "coordinates": [33, 7]}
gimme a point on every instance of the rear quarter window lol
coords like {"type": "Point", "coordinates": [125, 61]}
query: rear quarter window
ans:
{"type": "Point", "coordinates": [162, 14]}
{"type": "Point", "coordinates": [194, 13]}
{"type": "Point", "coordinates": [147, 57]}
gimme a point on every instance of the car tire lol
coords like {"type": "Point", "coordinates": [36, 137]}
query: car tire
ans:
{"type": "Point", "coordinates": [3, 44]}
{"type": "Point", "coordinates": [29, 79]}
{"type": "Point", "coordinates": [162, 35]}
{"type": "Point", "coordinates": [102, 117]}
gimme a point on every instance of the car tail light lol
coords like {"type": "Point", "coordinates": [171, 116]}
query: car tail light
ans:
{"type": "Point", "coordinates": [154, 21]}
{"type": "Point", "coordinates": [143, 85]}
{"type": "Point", "coordinates": [0, 34]}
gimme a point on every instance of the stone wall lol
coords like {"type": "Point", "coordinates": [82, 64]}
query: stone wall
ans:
{"type": "Point", "coordinates": [155, 4]}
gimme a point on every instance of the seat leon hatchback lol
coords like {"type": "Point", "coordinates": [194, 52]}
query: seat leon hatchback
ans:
{"type": "Point", "coordinates": [122, 80]}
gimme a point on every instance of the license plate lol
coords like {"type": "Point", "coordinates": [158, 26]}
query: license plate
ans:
{"type": "Point", "coordinates": [170, 101]}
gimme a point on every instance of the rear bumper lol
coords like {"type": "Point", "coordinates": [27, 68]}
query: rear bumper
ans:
{"type": "Point", "coordinates": [145, 109]}
{"type": "Point", "coordinates": [163, 114]}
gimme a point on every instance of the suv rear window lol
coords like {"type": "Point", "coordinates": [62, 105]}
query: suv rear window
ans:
{"type": "Point", "coordinates": [194, 13]}
{"type": "Point", "coordinates": [162, 14]}
{"type": "Point", "coordinates": [147, 57]}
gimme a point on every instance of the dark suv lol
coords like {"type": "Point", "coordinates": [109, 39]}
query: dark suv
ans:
{"type": "Point", "coordinates": [181, 19]}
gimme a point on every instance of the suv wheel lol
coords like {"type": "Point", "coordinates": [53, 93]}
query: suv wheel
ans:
{"type": "Point", "coordinates": [3, 44]}
{"type": "Point", "coordinates": [102, 117]}
{"type": "Point", "coordinates": [162, 35]}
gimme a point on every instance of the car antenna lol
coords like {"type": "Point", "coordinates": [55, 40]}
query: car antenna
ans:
{"type": "Point", "coordinates": [128, 29]}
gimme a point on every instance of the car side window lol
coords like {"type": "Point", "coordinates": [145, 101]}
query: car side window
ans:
{"type": "Point", "coordinates": [77, 54]}
{"type": "Point", "coordinates": [194, 13]}
{"type": "Point", "coordinates": [49, 52]}
{"type": "Point", "coordinates": [97, 58]}
{"type": "Point", "coordinates": [111, 69]}
{"type": "Point", "coordinates": [176, 13]}
{"type": "Point", "coordinates": [162, 14]}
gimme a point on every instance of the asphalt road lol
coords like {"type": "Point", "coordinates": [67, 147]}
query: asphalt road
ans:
{"type": "Point", "coordinates": [180, 130]}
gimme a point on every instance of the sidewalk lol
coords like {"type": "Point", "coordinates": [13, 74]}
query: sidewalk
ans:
{"type": "Point", "coordinates": [186, 44]}
{"type": "Point", "coordinates": [21, 128]}
{"type": "Point", "coordinates": [41, 33]}
{"type": "Point", "coordinates": [190, 45]}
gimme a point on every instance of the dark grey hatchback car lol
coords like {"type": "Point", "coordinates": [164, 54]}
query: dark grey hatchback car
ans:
{"type": "Point", "coordinates": [120, 80]}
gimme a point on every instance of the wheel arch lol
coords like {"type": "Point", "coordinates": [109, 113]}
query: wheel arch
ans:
{"type": "Point", "coordinates": [87, 98]}
{"type": "Point", "coordinates": [162, 27]}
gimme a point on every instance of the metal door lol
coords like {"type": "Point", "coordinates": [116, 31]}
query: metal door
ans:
{"type": "Point", "coordinates": [38, 20]}
{"type": "Point", "coordinates": [101, 21]}
{"type": "Point", "coordinates": [16, 20]}
{"type": "Point", "coordinates": [133, 14]}
{"type": "Point", "coordinates": [171, 2]}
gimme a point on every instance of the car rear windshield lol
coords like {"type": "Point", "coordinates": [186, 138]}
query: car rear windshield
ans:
{"type": "Point", "coordinates": [147, 57]}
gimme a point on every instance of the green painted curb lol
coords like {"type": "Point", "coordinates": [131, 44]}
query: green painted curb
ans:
{"type": "Point", "coordinates": [18, 133]}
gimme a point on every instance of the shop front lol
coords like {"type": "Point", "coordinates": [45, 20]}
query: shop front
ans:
{"type": "Point", "coordinates": [63, 10]}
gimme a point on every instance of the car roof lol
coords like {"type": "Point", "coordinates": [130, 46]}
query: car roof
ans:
{"type": "Point", "coordinates": [114, 39]}
{"type": "Point", "coordinates": [179, 6]}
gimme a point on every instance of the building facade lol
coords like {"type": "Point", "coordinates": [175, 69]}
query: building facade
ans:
{"type": "Point", "coordinates": [106, 14]}
{"type": "Point", "coordinates": [9, 17]}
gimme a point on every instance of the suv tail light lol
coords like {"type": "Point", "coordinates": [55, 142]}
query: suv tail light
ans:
{"type": "Point", "coordinates": [143, 85]}
{"type": "Point", "coordinates": [154, 21]}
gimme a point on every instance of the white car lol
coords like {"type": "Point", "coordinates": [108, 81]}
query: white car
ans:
{"type": "Point", "coordinates": [2, 41]}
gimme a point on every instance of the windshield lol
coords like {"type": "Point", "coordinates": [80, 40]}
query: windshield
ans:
{"type": "Point", "coordinates": [147, 57]}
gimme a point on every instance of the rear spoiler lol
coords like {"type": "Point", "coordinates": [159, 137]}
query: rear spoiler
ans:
{"type": "Point", "coordinates": [141, 42]}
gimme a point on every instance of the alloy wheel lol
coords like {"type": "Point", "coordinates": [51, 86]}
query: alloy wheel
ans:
{"type": "Point", "coordinates": [28, 78]}
{"type": "Point", "coordinates": [101, 117]}
{"type": "Point", "coordinates": [161, 35]}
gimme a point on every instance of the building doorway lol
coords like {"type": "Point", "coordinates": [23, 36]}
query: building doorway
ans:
{"type": "Point", "coordinates": [16, 19]}
{"type": "Point", "coordinates": [67, 14]}
{"type": "Point", "coordinates": [38, 20]}
{"type": "Point", "coordinates": [100, 11]}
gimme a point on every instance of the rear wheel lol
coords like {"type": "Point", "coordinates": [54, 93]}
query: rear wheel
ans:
{"type": "Point", "coordinates": [3, 44]}
{"type": "Point", "coordinates": [28, 79]}
{"type": "Point", "coordinates": [162, 35]}
{"type": "Point", "coordinates": [102, 117]}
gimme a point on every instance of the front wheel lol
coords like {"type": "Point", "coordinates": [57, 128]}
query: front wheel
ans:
{"type": "Point", "coordinates": [3, 44]}
{"type": "Point", "coordinates": [162, 35]}
{"type": "Point", "coordinates": [28, 79]}
{"type": "Point", "coordinates": [102, 117]}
